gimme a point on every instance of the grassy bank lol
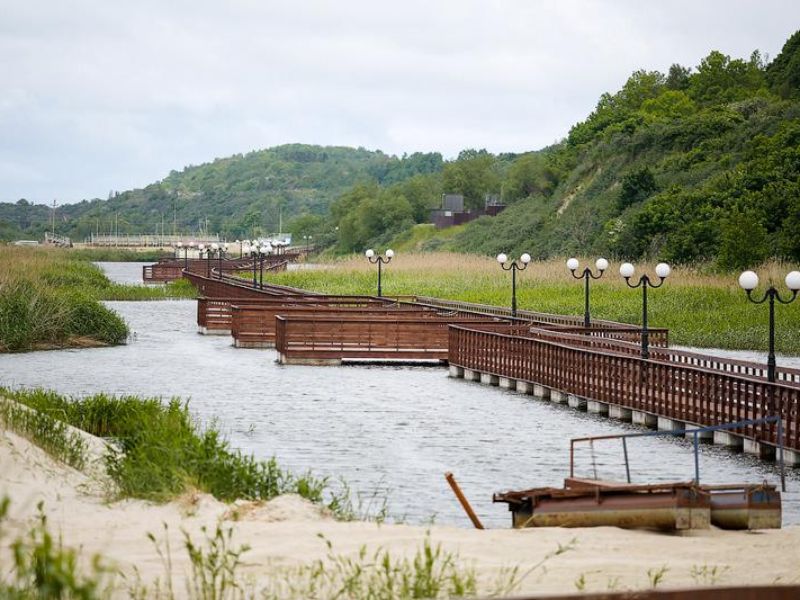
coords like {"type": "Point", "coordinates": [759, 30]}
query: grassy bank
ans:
{"type": "Point", "coordinates": [160, 451]}
{"type": "Point", "coordinates": [117, 254]}
{"type": "Point", "coordinates": [700, 308]}
{"type": "Point", "coordinates": [50, 299]}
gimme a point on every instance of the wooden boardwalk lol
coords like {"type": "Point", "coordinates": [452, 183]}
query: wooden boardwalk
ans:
{"type": "Point", "coordinates": [553, 356]}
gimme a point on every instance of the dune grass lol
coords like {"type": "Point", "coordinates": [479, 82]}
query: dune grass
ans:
{"type": "Point", "coordinates": [700, 308]}
{"type": "Point", "coordinates": [161, 452]}
{"type": "Point", "coordinates": [49, 299]}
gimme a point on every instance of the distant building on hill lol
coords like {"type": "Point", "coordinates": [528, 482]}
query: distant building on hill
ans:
{"type": "Point", "coordinates": [453, 213]}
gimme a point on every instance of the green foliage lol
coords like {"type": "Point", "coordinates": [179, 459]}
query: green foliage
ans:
{"type": "Point", "coordinates": [636, 186]}
{"type": "Point", "coordinates": [159, 452]}
{"type": "Point", "coordinates": [240, 196]}
{"type": "Point", "coordinates": [783, 74]}
{"type": "Point", "coordinates": [43, 568]}
{"type": "Point", "coordinates": [743, 241]}
{"type": "Point", "coordinates": [47, 432]}
{"type": "Point", "coordinates": [474, 174]}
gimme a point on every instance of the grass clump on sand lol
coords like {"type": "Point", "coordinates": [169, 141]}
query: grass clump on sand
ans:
{"type": "Point", "coordinates": [699, 308]}
{"type": "Point", "coordinates": [48, 299]}
{"type": "Point", "coordinates": [160, 452]}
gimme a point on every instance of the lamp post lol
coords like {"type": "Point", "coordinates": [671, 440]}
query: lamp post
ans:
{"type": "Point", "coordinates": [662, 270]}
{"type": "Point", "coordinates": [263, 251]}
{"type": "Point", "coordinates": [249, 250]}
{"type": "Point", "coordinates": [185, 249]}
{"type": "Point", "coordinates": [307, 239]}
{"type": "Point", "coordinates": [240, 243]}
{"type": "Point", "coordinates": [749, 281]}
{"type": "Point", "coordinates": [586, 275]}
{"type": "Point", "coordinates": [514, 266]}
{"type": "Point", "coordinates": [379, 260]}
{"type": "Point", "coordinates": [223, 250]}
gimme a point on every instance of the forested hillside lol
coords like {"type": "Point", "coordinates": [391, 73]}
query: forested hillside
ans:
{"type": "Point", "coordinates": [696, 164]}
{"type": "Point", "coordinates": [242, 195]}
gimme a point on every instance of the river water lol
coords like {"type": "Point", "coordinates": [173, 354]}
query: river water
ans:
{"type": "Point", "coordinates": [387, 430]}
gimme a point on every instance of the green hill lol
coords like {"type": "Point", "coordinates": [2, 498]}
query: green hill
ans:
{"type": "Point", "coordinates": [693, 165]}
{"type": "Point", "coordinates": [696, 164]}
{"type": "Point", "coordinates": [237, 196]}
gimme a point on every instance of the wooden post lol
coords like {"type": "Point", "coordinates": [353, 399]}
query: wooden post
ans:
{"type": "Point", "coordinates": [463, 500]}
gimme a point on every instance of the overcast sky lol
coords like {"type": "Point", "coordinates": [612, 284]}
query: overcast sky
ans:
{"type": "Point", "coordinates": [102, 95]}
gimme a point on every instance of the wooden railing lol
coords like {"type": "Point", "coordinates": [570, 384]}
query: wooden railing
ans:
{"type": "Point", "coordinates": [527, 315]}
{"type": "Point", "coordinates": [677, 391]}
{"type": "Point", "coordinates": [217, 313]}
{"type": "Point", "coordinates": [255, 325]}
{"type": "Point", "coordinates": [373, 337]}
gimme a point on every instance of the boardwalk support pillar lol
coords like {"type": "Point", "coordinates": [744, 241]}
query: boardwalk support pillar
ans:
{"type": "Point", "coordinates": [615, 411]}
{"type": "Point", "coordinates": [455, 371]}
{"type": "Point", "coordinates": [646, 419]}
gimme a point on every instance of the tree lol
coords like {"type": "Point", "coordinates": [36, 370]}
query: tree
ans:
{"type": "Point", "coordinates": [670, 104]}
{"type": "Point", "coordinates": [529, 175]}
{"type": "Point", "coordinates": [636, 186]}
{"type": "Point", "coordinates": [678, 77]}
{"type": "Point", "coordinates": [783, 73]}
{"type": "Point", "coordinates": [744, 242]}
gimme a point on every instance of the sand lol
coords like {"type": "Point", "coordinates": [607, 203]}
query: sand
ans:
{"type": "Point", "coordinates": [285, 532]}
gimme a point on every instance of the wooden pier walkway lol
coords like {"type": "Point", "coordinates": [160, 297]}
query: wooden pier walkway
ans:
{"type": "Point", "coordinates": [554, 357]}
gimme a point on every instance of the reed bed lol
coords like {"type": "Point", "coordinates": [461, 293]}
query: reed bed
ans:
{"type": "Point", "coordinates": [700, 307]}
{"type": "Point", "coordinates": [51, 299]}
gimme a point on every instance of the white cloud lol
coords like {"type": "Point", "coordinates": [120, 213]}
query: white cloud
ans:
{"type": "Point", "coordinates": [112, 95]}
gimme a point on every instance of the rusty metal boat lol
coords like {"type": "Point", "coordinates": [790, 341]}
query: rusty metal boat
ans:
{"type": "Point", "coordinates": [668, 505]}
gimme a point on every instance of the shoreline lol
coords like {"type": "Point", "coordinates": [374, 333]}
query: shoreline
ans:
{"type": "Point", "coordinates": [284, 533]}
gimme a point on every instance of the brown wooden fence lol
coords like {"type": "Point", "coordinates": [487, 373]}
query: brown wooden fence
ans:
{"type": "Point", "coordinates": [374, 337]}
{"type": "Point", "coordinates": [254, 325]}
{"type": "Point", "coordinates": [687, 393]}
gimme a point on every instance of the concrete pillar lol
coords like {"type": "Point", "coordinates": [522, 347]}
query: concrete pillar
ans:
{"type": "Point", "coordinates": [541, 391]}
{"type": "Point", "coordinates": [665, 424]}
{"type": "Point", "coordinates": [524, 387]}
{"type": "Point", "coordinates": [791, 458]}
{"type": "Point", "coordinates": [558, 397]}
{"type": "Point", "coordinates": [598, 408]}
{"type": "Point", "coordinates": [639, 417]}
{"type": "Point", "coordinates": [705, 436]}
{"type": "Point", "coordinates": [507, 384]}
{"type": "Point", "coordinates": [726, 438]}
{"type": "Point", "coordinates": [471, 375]}
{"type": "Point", "coordinates": [314, 362]}
{"type": "Point", "coordinates": [489, 378]}
{"type": "Point", "coordinates": [615, 411]}
{"type": "Point", "coordinates": [455, 371]}
{"type": "Point", "coordinates": [577, 402]}
{"type": "Point", "coordinates": [758, 449]}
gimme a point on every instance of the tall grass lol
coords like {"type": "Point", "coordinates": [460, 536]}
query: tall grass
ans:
{"type": "Point", "coordinates": [159, 451]}
{"type": "Point", "coordinates": [48, 299]}
{"type": "Point", "coordinates": [700, 307]}
{"type": "Point", "coordinates": [117, 254]}
{"type": "Point", "coordinates": [49, 433]}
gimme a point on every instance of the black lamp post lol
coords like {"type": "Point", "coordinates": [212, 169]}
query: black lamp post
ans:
{"type": "Point", "coordinates": [662, 271]}
{"type": "Point", "coordinates": [185, 249]}
{"type": "Point", "coordinates": [514, 266]}
{"type": "Point", "coordinates": [220, 252]}
{"type": "Point", "coordinates": [749, 281]}
{"type": "Point", "coordinates": [262, 252]}
{"type": "Point", "coordinates": [251, 250]}
{"type": "Point", "coordinates": [379, 260]}
{"type": "Point", "coordinates": [586, 275]}
{"type": "Point", "coordinates": [307, 239]}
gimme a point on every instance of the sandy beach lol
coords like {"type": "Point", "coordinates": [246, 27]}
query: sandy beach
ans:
{"type": "Point", "coordinates": [286, 532]}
